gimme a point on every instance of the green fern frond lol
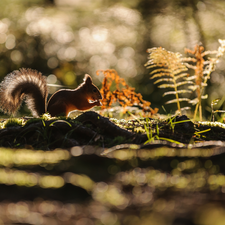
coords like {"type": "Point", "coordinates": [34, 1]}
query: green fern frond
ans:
{"type": "Point", "coordinates": [150, 65]}
{"type": "Point", "coordinates": [188, 59]}
{"type": "Point", "coordinates": [176, 92]}
{"type": "Point", "coordinates": [179, 70]}
{"type": "Point", "coordinates": [203, 84]}
{"type": "Point", "coordinates": [185, 108]}
{"type": "Point", "coordinates": [167, 86]}
{"type": "Point", "coordinates": [163, 79]}
{"type": "Point", "coordinates": [192, 87]}
{"type": "Point", "coordinates": [194, 101]}
{"type": "Point", "coordinates": [167, 67]}
{"type": "Point", "coordinates": [190, 66]}
{"type": "Point", "coordinates": [160, 75]}
{"type": "Point", "coordinates": [184, 82]}
{"type": "Point", "coordinates": [180, 100]}
{"type": "Point", "coordinates": [160, 70]}
{"type": "Point", "coordinates": [182, 75]}
{"type": "Point", "coordinates": [191, 77]}
{"type": "Point", "coordinates": [204, 96]}
{"type": "Point", "coordinates": [173, 85]}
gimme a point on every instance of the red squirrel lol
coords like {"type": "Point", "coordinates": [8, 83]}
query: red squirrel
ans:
{"type": "Point", "coordinates": [32, 85]}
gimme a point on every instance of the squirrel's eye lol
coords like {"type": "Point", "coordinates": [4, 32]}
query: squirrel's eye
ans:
{"type": "Point", "coordinates": [94, 90]}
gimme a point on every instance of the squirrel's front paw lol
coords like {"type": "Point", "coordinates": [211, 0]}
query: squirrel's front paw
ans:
{"type": "Point", "coordinates": [98, 103]}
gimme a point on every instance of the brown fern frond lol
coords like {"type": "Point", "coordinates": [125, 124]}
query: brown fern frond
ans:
{"type": "Point", "coordinates": [167, 67]}
{"type": "Point", "coordinates": [123, 93]}
{"type": "Point", "coordinates": [203, 69]}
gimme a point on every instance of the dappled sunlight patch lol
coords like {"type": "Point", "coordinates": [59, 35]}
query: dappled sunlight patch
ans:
{"type": "Point", "coordinates": [38, 211]}
{"type": "Point", "coordinates": [51, 181]}
{"type": "Point", "coordinates": [79, 180]}
{"type": "Point", "coordinates": [21, 157]}
{"type": "Point", "coordinates": [110, 194]}
{"type": "Point", "coordinates": [126, 152]}
{"type": "Point", "coordinates": [20, 178]}
{"type": "Point", "coordinates": [162, 181]}
{"type": "Point", "coordinates": [134, 178]}
{"type": "Point", "coordinates": [211, 213]}
{"type": "Point", "coordinates": [76, 151]}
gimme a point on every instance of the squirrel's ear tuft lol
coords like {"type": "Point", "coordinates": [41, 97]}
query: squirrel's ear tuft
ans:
{"type": "Point", "coordinates": [87, 79]}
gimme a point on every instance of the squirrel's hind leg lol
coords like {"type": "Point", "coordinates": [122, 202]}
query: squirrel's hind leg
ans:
{"type": "Point", "coordinates": [57, 109]}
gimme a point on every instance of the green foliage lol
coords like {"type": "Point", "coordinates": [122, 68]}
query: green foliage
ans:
{"type": "Point", "coordinates": [171, 69]}
{"type": "Point", "coordinates": [156, 136]}
{"type": "Point", "coordinates": [118, 140]}
{"type": "Point", "coordinates": [26, 157]}
{"type": "Point", "coordinates": [213, 104]}
{"type": "Point", "coordinates": [13, 122]}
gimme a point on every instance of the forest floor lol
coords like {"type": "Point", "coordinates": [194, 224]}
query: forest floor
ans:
{"type": "Point", "coordinates": [96, 170]}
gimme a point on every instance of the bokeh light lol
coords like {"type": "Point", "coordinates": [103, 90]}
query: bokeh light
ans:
{"type": "Point", "coordinates": [65, 39]}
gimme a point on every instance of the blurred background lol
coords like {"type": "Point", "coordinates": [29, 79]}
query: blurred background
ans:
{"type": "Point", "coordinates": [64, 39]}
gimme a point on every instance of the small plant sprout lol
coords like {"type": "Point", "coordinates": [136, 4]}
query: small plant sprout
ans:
{"type": "Point", "coordinates": [199, 133]}
{"type": "Point", "coordinates": [214, 103]}
{"type": "Point", "coordinates": [152, 137]}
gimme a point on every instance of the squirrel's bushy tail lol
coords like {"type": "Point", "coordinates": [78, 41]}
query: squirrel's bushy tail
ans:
{"type": "Point", "coordinates": [20, 84]}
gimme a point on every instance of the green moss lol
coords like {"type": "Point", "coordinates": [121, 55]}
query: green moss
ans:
{"type": "Point", "coordinates": [46, 116]}
{"type": "Point", "coordinates": [33, 120]}
{"type": "Point", "coordinates": [118, 140]}
{"type": "Point", "coordinates": [12, 122]}
{"type": "Point", "coordinates": [212, 124]}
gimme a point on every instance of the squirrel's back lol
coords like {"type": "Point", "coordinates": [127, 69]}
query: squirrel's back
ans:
{"type": "Point", "coordinates": [20, 84]}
